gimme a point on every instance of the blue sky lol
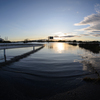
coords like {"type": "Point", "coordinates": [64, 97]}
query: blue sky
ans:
{"type": "Point", "coordinates": [38, 19]}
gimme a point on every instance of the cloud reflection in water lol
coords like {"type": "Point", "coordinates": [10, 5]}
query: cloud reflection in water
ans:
{"type": "Point", "coordinates": [91, 62]}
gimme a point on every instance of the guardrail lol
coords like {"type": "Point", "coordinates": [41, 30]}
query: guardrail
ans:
{"type": "Point", "coordinates": [9, 46]}
{"type": "Point", "coordinates": [16, 58]}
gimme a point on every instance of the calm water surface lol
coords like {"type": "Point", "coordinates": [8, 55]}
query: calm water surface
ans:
{"type": "Point", "coordinates": [56, 68]}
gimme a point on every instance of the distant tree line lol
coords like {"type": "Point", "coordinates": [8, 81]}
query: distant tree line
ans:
{"type": "Point", "coordinates": [72, 41]}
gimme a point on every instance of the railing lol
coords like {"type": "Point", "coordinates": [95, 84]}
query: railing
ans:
{"type": "Point", "coordinates": [8, 45]}
{"type": "Point", "coordinates": [16, 58]}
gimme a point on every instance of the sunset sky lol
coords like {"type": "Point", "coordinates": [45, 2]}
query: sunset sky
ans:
{"type": "Point", "coordinates": [38, 19]}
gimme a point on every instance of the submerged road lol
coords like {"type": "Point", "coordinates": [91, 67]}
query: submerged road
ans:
{"type": "Point", "coordinates": [17, 58]}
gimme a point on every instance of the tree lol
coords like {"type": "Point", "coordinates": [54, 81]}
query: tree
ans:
{"type": "Point", "coordinates": [25, 41]}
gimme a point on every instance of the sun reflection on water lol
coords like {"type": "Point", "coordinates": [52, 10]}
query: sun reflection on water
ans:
{"type": "Point", "coordinates": [90, 60]}
{"type": "Point", "coordinates": [62, 47]}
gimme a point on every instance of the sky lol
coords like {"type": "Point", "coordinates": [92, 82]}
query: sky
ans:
{"type": "Point", "coordinates": [38, 19]}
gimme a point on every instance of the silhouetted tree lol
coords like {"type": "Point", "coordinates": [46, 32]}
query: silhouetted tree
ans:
{"type": "Point", "coordinates": [25, 41]}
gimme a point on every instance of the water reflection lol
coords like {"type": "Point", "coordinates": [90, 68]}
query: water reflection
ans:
{"type": "Point", "coordinates": [90, 58]}
{"type": "Point", "coordinates": [16, 58]}
{"type": "Point", "coordinates": [63, 55]}
{"type": "Point", "coordinates": [91, 62]}
{"type": "Point", "coordinates": [3, 55]}
{"type": "Point", "coordinates": [62, 47]}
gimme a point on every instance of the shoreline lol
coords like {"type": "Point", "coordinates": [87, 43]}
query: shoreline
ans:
{"type": "Point", "coordinates": [87, 91]}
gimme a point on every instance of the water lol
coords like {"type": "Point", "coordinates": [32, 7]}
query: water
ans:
{"type": "Point", "coordinates": [56, 68]}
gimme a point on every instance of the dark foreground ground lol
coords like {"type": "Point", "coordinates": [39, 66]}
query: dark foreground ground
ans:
{"type": "Point", "coordinates": [88, 91]}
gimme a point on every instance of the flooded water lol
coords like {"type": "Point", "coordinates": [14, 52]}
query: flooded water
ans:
{"type": "Point", "coordinates": [56, 68]}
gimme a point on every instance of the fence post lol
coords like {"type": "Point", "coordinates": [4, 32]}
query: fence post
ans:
{"type": "Point", "coordinates": [33, 47]}
{"type": "Point", "coordinates": [5, 55]}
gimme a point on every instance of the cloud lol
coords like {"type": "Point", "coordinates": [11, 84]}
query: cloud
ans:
{"type": "Point", "coordinates": [90, 34]}
{"type": "Point", "coordinates": [84, 34]}
{"type": "Point", "coordinates": [56, 36]}
{"type": "Point", "coordinates": [74, 34]}
{"type": "Point", "coordinates": [93, 21]}
{"type": "Point", "coordinates": [96, 31]}
{"type": "Point", "coordinates": [69, 36]}
{"type": "Point", "coordinates": [58, 33]}
{"type": "Point", "coordinates": [66, 35]}
{"type": "Point", "coordinates": [97, 8]}
{"type": "Point", "coordinates": [95, 34]}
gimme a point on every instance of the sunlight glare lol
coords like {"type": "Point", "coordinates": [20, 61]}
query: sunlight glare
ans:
{"type": "Point", "coordinates": [60, 47]}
